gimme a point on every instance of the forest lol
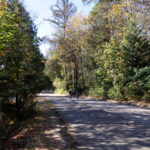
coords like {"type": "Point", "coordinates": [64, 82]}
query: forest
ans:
{"type": "Point", "coordinates": [105, 54]}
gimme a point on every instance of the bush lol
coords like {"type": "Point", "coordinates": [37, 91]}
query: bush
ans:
{"type": "Point", "coordinates": [138, 87]}
{"type": "Point", "coordinates": [146, 96]}
{"type": "Point", "coordinates": [116, 93]}
{"type": "Point", "coordinates": [97, 91]}
{"type": "Point", "coordinates": [60, 86]}
{"type": "Point", "coordinates": [133, 90]}
{"type": "Point", "coordinates": [61, 91]}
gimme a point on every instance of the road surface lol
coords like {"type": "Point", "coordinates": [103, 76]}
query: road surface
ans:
{"type": "Point", "coordinates": [103, 125]}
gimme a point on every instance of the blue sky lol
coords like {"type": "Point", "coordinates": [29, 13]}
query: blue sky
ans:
{"type": "Point", "coordinates": [40, 10]}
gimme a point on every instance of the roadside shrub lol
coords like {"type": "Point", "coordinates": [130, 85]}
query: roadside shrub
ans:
{"type": "Point", "coordinates": [97, 91]}
{"type": "Point", "coordinates": [60, 86]}
{"type": "Point", "coordinates": [116, 93]}
{"type": "Point", "coordinates": [139, 86]}
{"type": "Point", "coordinates": [146, 96]}
{"type": "Point", "coordinates": [61, 91]}
{"type": "Point", "coordinates": [133, 90]}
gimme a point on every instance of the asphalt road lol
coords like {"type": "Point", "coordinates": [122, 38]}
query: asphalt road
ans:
{"type": "Point", "coordinates": [102, 125]}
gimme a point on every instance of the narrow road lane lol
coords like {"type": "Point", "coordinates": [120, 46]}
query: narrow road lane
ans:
{"type": "Point", "coordinates": [102, 125]}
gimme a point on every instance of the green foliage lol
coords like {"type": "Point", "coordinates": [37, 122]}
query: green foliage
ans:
{"type": "Point", "coordinates": [97, 91]}
{"type": "Point", "coordinates": [139, 85]}
{"type": "Point", "coordinates": [115, 93]}
{"type": "Point", "coordinates": [112, 60]}
{"type": "Point", "coordinates": [134, 90]}
{"type": "Point", "coordinates": [53, 68]}
{"type": "Point", "coordinates": [135, 49]}
{"type": "Point", "coordinates": [123, 72]}
{"type": "Point", "coordinates": [58, 67]}
{"type": "Point", "coordinates": [21, 63]}
{"type": "Point", "coordinates": [60, 86]}
{"type": "Point", "coordinates": [107, 56]}
{"type": "Point", "coordinates": [61, 91]}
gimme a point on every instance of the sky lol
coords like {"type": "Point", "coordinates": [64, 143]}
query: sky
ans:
{"type": "Point", "coordinates": [40, 10]}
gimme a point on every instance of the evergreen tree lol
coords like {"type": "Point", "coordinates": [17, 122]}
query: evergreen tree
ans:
{"type": "Point", "coordinates": [61, 12]}
{"type": "Point", "coordinates": [7, 35]}
{"type": "Point", "coordinates": [136, 58]}
{"type": "Point", "coordinates": [21, 62]}
{"type": "Point", "coordinates": [135, 49]}
{"type": "Point", "coordinates": [99, 34]}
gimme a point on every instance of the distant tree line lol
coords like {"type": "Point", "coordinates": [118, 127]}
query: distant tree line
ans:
{"type": "Point", "coordinates": [106, 54]}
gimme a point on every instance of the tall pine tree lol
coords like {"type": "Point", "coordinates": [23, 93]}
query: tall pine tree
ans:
{"type": "Point", "coordinates": [135, 49]}
{"type": "Point", "coordinates": [21, 61]}
{"type": "Point", "coordinates": [136, 58]}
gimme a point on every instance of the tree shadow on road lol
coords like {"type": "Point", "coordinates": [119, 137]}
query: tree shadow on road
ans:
{"type": "Point", "coordinates": [98, 129]}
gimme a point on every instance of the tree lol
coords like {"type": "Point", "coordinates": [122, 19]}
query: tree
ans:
{"type": "Point", "coordinates": [97, 1]}
{"type": "Point", "coordinates": [126, 64]}
{"type": "Point", "coordinates": [73, 45]}
{"type": "Point", "coordinates": [135, 49]}
{"type": "Point", "coordinates": [108, 23]}
{"type": "Point", "coordinates": [21, 63]}
{"type": "Point", "coordinates": [98, 35]}
{"type": "Point", "coordinates": [62, 11]}
{"type": "Point", "coordinates": [76, 41]}
{"type": "Point", "coordinates": [104, 54]}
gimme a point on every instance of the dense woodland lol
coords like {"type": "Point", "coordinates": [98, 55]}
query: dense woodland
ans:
{"type": "Point", "coordinates": [106, 54]}
{"type": "Point", "coordinates": [21, 64]}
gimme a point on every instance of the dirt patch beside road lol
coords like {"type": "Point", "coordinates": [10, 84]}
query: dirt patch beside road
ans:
{"type": "Point", "coordinates": [46, 131]}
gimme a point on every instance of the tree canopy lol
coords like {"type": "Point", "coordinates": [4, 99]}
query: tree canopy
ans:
{"type": "Point", "coordinates": [21, 63]}
{"type": "Point", "coordinates": [104, 52]}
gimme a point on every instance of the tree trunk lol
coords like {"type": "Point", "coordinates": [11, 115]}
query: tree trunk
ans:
{"type": "Point", "coordinates": [82, 74]}
{"type": "Point", "coordinates": [76, 77]}
{"type": "Point", "coordinates": [1, 128]}
{"type": "Point", "coordinates": [1, 120]}
{"type": "Point", "coordinates": [17, 104]}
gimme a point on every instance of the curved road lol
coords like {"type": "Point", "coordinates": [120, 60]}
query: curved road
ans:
{"type": "Point", "coordinates": [102, 125]}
